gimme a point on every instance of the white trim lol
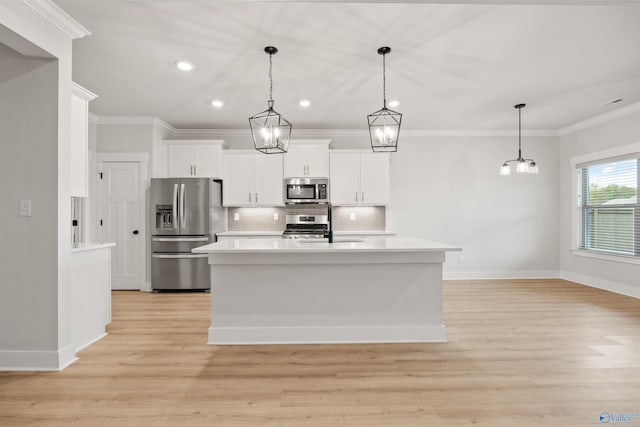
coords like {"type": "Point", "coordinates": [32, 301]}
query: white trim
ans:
{"type": "Point", "coordinates": [602, 118]}
{"type": "Point", "coordinates": [585, 158]}
{"type": "Point", "coordinates": [88, 343]}
{"type": "Point", "coordinates": [37, 360]}
{"type": "Point", "coordinates": [604, 284]}
{"type": "Point", "coordinates": [326, 334]}
{"type": "Point", "coordinates": [93, 118]}
{"type": "Point", "coordinates": [121, 157]}
{"type": "Point", "coordinates": [500, 274]}
{"type": "Point", "coordinates": [58, 17]}
{"type": "Point", "coordinates": [82, 92]}
{"type": "Point", "coordinates": [143, 160]}
{"type": "Point", "coordinates": [135, 120]}
{"type": "Point", "coordinates": [606, 257]}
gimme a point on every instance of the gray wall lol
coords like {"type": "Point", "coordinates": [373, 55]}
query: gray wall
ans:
{"type": "Point", "coordinates": [602, 273]}
{"type": "Point", "coordinates": [28, 170]}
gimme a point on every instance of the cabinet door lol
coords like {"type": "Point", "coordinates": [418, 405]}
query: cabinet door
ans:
{"type": "Point", "coordinates": [180, 161]}
{"type": "Point", "coordinates": [268, 182]}
{"type": "Point", "coordinates": [317, 161]}
{"type": "Point", "coordinates": [343, 187]}
{"type": "Point", "coordinates": [295, 161]}
{"type": "Point", "coordinates": [79, 146]}
{"type": "Point", "coordinates": [207, 161]}
{"type": "Point", "coordinates": [374, 179]}
{"type": "Point", "coordinates": [237, 180]}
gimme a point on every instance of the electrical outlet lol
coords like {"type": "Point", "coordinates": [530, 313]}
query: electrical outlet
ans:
{"type": "Point", "coordinates": [460, 259]}
{"type": "Point", "coordinates": [236, 216]}
{"type": "Point", "coordinates": [275, 216]}
{"type": "Point", "coordinates": [352, 216]}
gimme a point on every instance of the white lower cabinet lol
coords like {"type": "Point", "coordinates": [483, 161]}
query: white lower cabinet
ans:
{"type": "Point", "coordinates": [252, 179]}
{"type": "Point", "coordinates": [359, 177]}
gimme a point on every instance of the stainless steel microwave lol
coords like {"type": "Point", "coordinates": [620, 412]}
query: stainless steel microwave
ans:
{"type": "Point", "coordinates": [306, 190]}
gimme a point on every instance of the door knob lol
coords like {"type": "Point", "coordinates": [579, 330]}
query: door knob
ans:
{"type": "Point", "coordinates": [135, 232]}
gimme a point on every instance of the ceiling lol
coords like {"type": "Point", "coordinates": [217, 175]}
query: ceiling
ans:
{"type": "Point", "coordinates": [452, 66]}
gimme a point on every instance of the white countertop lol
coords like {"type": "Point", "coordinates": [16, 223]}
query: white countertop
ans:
{"type": "Point", "coordinates": [335, 233]}
{"type": "Point", "coordinates": [250, 233]}
{"type": "Point", "coordinates": [387, 244]}
{"type": "Point", "coordinates": [83, 247]}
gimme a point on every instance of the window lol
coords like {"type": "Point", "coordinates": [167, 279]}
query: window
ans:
{"type": "Point", "coordinates": [609, 212]}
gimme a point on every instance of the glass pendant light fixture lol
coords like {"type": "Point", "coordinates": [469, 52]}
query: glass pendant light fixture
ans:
{"type": "Point", "coordinates": [269, 129]}
{"type": "Point", "coordinates": [384, 124]}
{"type": "Point", "coordinates": [522, 165]}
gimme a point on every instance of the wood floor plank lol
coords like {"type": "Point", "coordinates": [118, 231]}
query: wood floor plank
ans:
{"type": "Point", "coordinates": [519, 353]}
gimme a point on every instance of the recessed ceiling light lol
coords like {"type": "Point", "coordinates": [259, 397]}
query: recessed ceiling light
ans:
{"type": "Point", "coordinates": [217, 103]}
{"type": "Point", "coordinates": [305, 103]}
{"type": "Point", "coordinates": [394, 103]}
{"type": "Point", "coordinates": [184, 65]}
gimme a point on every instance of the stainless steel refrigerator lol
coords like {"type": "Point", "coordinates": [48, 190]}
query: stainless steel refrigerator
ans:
{"type": "Point", "coordinates": [186, 213]}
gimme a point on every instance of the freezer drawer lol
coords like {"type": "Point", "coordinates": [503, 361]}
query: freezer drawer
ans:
{"type": "Point", "coordinates": [177, 244]}
{"type": "Point", "coordinates": [180, 271]}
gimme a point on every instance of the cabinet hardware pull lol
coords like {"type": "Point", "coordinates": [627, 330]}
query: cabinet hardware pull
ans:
{"type": "Point", "coordinates": [195, 169]}
{"type": "Point", "coordinates": [249, 197]}
{"type": "Point", "coordinates": [362, 196]}
{"type": "Point", "coordinates": [356, 196]}
{"type": "Point", "coordinates": [256, 197]}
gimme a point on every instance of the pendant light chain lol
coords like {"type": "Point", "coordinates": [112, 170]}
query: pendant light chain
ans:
{"type": "Point", "coordinates": [519, 133]}
{"type": "Point", "coordinates": [384, 80]}
{"type": "Point", "coordinates": [270, 77]}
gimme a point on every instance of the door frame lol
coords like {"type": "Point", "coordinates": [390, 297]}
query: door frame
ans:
{"type": "Point", "coordinates": [143, 161]}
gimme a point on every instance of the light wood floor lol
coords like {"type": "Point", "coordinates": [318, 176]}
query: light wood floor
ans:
{"type": "Point", "coordinates": [520, 353]}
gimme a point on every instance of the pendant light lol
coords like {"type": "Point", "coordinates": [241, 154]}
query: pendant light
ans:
{"type": "Point", "coordinates": [384, 124]}
{"type": "Point", "coordinates": [270, 131]}
{"type": "Point", "coordinates": [522, 165]}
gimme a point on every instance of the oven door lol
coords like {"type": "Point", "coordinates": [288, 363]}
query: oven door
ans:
{"type": "Point", "coordinates": [301, 193]}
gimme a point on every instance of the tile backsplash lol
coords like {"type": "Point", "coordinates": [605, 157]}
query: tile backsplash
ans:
{"type": "Point", "coordinates": [357, 218]}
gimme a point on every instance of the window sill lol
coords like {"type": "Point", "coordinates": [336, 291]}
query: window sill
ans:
{"type": "Point", "coordinates": [606, 257]}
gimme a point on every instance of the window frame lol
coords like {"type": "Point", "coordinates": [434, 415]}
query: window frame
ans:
{"type": "Point", "coordinates": [577, 208]}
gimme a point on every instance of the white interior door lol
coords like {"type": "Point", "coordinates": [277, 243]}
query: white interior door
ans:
{"type": "Point", "coordinates": [121, 222]}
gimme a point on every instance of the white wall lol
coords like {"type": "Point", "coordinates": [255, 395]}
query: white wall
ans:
{"type": "Point", "coordinates": [35, 325]}
{"type": "Point", "coordinates": [616, 276]}
{"type": "Point", "coordinates": [449, 189]}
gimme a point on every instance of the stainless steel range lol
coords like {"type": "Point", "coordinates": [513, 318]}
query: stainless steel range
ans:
{"type": "Point", "coordinates": [307, 227]}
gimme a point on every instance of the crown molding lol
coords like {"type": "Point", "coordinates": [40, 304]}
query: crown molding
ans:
{"type": "Point", "coordinates": [83, 93]}
{"type": "Point", "coordinates": [602, 118]}
{"type": "Point", "coordinates": [135, 121]}
{"type": "Point", "coordinates": [58, 17]}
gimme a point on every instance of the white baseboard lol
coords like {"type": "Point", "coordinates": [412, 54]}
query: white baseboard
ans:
{"type": "Point", "coordinates": [88, 343]}
{"type": "Point", "coordinates": [37, 360]}
{"type": "Point", "coordinates": [327, 335]}
{"type": "Point", "coordinates": [501, 274]}
{"type": "Point", "coordinates": [605, 284]}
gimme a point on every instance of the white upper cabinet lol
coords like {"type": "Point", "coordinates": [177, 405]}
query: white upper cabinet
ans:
{"type": "Point", "coordinates": [194, 158]}
{"type": "Point", "coordinates": [307, 159]}
{"type": "Point", "coordinates": [359, 178]}
{"type": "Point", "coordinates": [252, 179]}
{"type": "Point", "coordinates": [79, 140]}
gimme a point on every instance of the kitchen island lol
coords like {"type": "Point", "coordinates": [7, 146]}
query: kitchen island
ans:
{"type": "Point", "coordinates": [281, 291]}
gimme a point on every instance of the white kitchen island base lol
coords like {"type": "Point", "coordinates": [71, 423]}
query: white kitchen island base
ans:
{"type": "Point", "coordinates": [283, 292]}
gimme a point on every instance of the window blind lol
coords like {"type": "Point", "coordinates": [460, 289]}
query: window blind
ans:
{"type": "Point", "coordinates": [609, 208]}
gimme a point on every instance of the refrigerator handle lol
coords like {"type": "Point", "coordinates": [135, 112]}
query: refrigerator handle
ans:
{"type": "Point", "coordinates": [174, 209]}
{"type": "Point", "coordinates": [183, 219]}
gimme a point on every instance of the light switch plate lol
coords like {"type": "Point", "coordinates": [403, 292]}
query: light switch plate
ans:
{"type": "Point", "coordinates": [352, 216]}
{"type": "Point", "coordinates": [25, 207]}
{"type": "Point", "coordinates": [236, 216]}
{"type": "Point", "coordinates": [275, 216]}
